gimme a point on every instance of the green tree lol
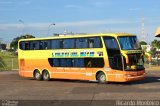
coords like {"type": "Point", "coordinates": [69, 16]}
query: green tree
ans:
{"type": "Point", "coordinates": [143, 43]}
{"type": "Point", "coordinates": [155, 44]}
{"type": "Point", "coordinates": [14, 43]}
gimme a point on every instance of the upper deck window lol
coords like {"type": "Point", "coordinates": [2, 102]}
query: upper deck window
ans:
{"type": "Point", "coordinates": [34, 45]}
{"type": "Point", "coordinates": [82, 43]}
{"type": "Point", "coordinates": [111, 43]}
{"type": "Point", "coordinates": [95, 42]}
{"type": "Point", "coordinates": [68, 43]}
{"type": "Point", "coordinates": [24, 45]}
{"type": "Point", "coordinates": [55, 44]}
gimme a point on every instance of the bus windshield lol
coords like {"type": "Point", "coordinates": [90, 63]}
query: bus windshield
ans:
{"type": "Point", "coordinates": [129, 43]}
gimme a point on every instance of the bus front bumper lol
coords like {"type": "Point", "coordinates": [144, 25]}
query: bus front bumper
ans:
{"type": "Point", "coordinates": [130, 78]}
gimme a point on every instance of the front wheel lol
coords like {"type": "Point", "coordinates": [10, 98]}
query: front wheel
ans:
{"type": "Point", "coordinates": [101, 78]}
{"type": "Point", "coordinates": [46, 76]}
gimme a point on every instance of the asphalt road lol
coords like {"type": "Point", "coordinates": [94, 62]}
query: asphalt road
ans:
{"type": "Point", "coordinates": [13, 87]}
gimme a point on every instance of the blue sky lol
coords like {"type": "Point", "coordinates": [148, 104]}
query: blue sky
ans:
{"type": "Point", "coordinates": [78, 16]}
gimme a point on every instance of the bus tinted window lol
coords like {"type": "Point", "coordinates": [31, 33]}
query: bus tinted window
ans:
{"type": "Point", "coordinates": [94, 62]}
{"type": "Point", "coordinates": [69, 62]}
{"type": "Point", "coordinates": [41, 45]}
{"type": "Point", "coordinates": [68, 43]}
{"type": "Point", "coordinates": [62, 62]}
{"type": "Point", "coordinates": [56, 63]}
{"type": "Point", "coordinates": [82, 43]}
{"type": "Point", "coordinates": [77, 62]}
{"type": "Point", "coordinates": [34, 45]}
{"type": "Point", "coordinates": [111, 43]}
{"type": "Point", "coordinates": [55, 44]}
{"type": "Point", "coordinates": [24, 45]}
{"type": "Point", "coordinates": [46, 44]}
{"type": "Point", "coordinates": [90, 42]}
{"type": "Point", "coordinates": [95, 42]}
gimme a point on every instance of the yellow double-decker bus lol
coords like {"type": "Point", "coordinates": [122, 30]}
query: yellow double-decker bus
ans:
{"type": "Point", "coordinates": [115, 57]}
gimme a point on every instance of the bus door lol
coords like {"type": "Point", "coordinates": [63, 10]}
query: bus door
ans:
{"type": "Point", "coordinates": [114, 55]}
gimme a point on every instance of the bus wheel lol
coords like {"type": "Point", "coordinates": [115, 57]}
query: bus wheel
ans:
{"type": "Point", "coordinates": [46, 76]}
{"type": "Point", "coordinates": [37, 75]}
{"type": "Point", "coordinates": [101, 77]}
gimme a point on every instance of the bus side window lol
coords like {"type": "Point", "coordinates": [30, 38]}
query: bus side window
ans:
{"type": "Point", "coordinates": [94, 62]}
{"type": "Point", "coordinates": [41, 45]}
{"type": "Point", "coordinates": [65, 62]}
{"type": "Point", "coordinates": [97, 63]}
{"type": "Point", "coordinates": [55, 63]}
{"type": "Point", "coordinates": [111, 43]}
{"type": "Point", "coordinates": [68, 62]}
{"type": "Point", "coordinates": [55, 44]}
{"type": "Point", "coordinates": [81, 63]}
{"type": "Point", "coordinates": [95, 42]}
{"type": "Point", "coordinates": [75, 62]}
{"type": "Point", "coordinates": [46, 45]}
{"type": "Point", "coordinates": [68, 43]}
{"type": "Point", "coordinates": [22, 45]}
{"type": "Point", "coordinates": [78, 62]}
{"type": "Point", "coordinates": [34, 45]}
{"type": "Point", "coordinates": [27, 46]}
{"type": "Point", "coordinates": [61, 44]}
{"type": "Point", "coordinates": [62, 62]}
{"type": "Point", "coordinates": [91, 42]}
{"type": "Point", "coordinates": [82, 43]}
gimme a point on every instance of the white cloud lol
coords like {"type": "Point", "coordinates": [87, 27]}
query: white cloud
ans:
{"type": "Point", "coordinates": [25, 3]}
{"type": "Point", "coordinates": [91, 26]}
{"type": "Point", "coordinates": [71, 6]}
{"type": "Point", "coordinates": [134, 9]}
{"type": "Point", "coordinates": [92, 22]}
{"type": "Point", "coordinates": [66, 24]}
{"type": "Point", "coordinates": [101, 3]}
{"type": "Point", "coordinates": [6, 2]}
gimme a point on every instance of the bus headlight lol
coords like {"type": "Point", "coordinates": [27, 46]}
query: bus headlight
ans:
{"type": "Point", "coordinates": [128, 75]}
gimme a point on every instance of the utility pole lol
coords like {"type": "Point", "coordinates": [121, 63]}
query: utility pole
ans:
{"type": "Point", "coordinates": [21, 21]}
{"type": "Point", "coordinates": [143, 30]}
{"type": "Point", "coordinates": [49, 28]}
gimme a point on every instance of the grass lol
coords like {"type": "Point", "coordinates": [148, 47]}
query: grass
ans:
{"type": "Point", "coordinates": [152, 68]}
{"type": "Point", "coordinates": [8, 61]}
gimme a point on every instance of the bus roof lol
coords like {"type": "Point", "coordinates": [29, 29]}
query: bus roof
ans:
{"type": "Point", "coordinates": [157, 32]}
{"type": "Point", "coordinates": [80, 35]}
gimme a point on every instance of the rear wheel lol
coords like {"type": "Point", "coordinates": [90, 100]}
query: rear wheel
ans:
{"type": "Point", "coordinates": [101, 77]}
{"type": "Point", "coordinates": [37, 75]}
{"type": "Point", "coordinates": [46, 76]}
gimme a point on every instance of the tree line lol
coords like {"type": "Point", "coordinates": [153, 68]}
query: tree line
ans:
{"type": "Point", "coordinates": [14, 43]}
